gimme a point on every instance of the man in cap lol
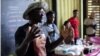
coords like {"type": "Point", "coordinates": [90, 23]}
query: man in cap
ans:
{"type": "Point", "coordinates": [27, 35]}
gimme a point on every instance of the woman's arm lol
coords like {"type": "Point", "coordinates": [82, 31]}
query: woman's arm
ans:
{"type": "Point", "coordinates": [72, 32]}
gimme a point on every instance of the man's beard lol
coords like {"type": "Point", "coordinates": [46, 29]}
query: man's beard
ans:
{"type": "Point", "coordinates": [38, 19]}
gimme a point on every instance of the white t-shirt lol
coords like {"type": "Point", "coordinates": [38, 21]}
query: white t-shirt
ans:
{"type": "Point", "coordinates": [90, 30]}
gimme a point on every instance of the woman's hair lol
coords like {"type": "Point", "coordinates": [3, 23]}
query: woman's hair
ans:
{"type": "Point", "coordinates": [66, 22]}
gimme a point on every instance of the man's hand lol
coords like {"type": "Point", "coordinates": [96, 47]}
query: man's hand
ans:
{"type": "Point", "coordinates": [32, 32]}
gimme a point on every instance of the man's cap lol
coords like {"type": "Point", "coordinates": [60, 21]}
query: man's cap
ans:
{"type": "Point", "coordinates": [33, 6]}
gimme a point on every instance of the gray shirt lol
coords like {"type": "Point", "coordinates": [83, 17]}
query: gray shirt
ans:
{"type": "Point", "coordinates": [51, 31]}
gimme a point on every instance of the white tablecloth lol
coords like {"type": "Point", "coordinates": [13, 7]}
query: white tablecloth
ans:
{"type": "Point", "coordinates": [69, 49]}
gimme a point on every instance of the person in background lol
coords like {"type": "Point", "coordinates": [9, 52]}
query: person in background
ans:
{"type": "Point", "coordinates": [70, 38]}
{"type": "Point", "coordinates": [75, 24]}
{"type": "Point", "coordinates": [54, 38]}
{"type": "Point", "coordinates": [51, 29]}
{"type": "Point", "coordinates": [90, 24]}
{"type": "Point", "coordinates": [28, 38]}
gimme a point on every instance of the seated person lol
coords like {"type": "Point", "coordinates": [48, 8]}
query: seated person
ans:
{"type": "Point", "coordinates": [69, 28]}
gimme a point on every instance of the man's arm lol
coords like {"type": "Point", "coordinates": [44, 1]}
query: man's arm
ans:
{"type": "Point", "coordinates": [21, 42]}
{"type": "Point", "coordinates": [51, 46]}
{"type": "Point", "coordinates": [23, 46]}
{"type": "Point", "coordinates": [63, 35]}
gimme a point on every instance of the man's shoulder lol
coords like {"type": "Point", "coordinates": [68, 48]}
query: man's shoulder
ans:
{"type": "Point", "coordinates": [21, 28]}
{"type": "Point", "coordinates": [71, 18]}
{"type": "Point", "coordinates": [24, 26]}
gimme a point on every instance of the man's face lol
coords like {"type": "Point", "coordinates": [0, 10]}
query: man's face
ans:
{"type": "Point", "coordinates": [51, 18]}
{"type": "Point", "coordinates": [75, 14]}
{"type": "Point", "coordinates": [37, 15]}
{"type": "Point", "coordinates": [92, 15]}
